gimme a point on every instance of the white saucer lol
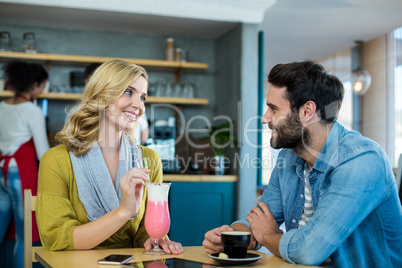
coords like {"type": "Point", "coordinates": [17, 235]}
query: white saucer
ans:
{"type": "Point", "coordinates": [250, 258]}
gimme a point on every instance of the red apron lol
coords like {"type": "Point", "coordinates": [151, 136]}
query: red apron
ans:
{"type": "Point", "coordinates": [27, 165]}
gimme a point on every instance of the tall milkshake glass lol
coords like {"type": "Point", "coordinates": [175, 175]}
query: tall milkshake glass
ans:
{"type": "Point", "coordinates": [157, 218]}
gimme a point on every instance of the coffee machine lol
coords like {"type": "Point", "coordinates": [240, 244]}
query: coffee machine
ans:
{"type": "Point", "coordinates": [164, 141]}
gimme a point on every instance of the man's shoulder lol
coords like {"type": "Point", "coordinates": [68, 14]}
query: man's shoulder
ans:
{"type": "Point", "coordinates": [343, 143]}
{"type": "Point", "coordinates": [353, 142]}
{"type": "Point", "coordinates": [347, 146]}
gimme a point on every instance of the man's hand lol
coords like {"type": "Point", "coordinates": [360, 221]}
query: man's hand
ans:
{"type": "Point", "coordinates": [264, 227]}
{"type": "Point", "coordinates": [212, 241]}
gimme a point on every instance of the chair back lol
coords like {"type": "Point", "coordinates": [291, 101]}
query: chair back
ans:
{"type": "Point", "coordinates": [29, 207]}
{"type": "Point", "coordinates": [398, 177]}
{"type": "Point", "coordinates": [398, 174]}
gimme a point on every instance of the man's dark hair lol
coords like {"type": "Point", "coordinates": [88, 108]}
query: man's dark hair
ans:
{"type": "Point", "coordinates": [90, 69]}
{"type": "Point", "coordinates": [308, 81]}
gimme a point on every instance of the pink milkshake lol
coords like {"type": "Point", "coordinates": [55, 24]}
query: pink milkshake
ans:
{"type": "Point", "coordinates": [157, 218]}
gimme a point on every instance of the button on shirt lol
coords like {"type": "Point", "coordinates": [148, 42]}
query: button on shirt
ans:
{"type": "Point", "coordinates": [357, 213]}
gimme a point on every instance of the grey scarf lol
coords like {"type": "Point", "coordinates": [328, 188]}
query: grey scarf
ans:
{"type": "Point", "coordinates": [95, 187]}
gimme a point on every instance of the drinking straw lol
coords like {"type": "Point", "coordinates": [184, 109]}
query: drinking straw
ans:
{"type": "Point", "coordinates": [146, 165]}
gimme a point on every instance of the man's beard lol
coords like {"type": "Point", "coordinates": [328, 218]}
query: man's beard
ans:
{"type": "Point", "coordinates": [290, 133]}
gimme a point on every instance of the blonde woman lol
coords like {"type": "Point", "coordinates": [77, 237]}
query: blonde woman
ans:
{"type": "Point", "coordinates": [90, 192]}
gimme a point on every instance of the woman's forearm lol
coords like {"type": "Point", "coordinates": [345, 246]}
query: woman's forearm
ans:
{"type": "Point", "coordinates": [89, 235]}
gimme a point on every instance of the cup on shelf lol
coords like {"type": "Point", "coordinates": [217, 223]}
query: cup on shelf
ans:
{"type": "Point", "coordinates": [77, 89]}
{"type": "Point", "coordinates": [151, 89]}
{"type": "Point", "coordinates": [177, 90]}
{"type": "Point", "coordinates": [169, 90]}
{"type": "Point", "coordinates": [64, 89]}
{"type": "Point", "coordinates": [160, 89]}
{"type": "Point", "coordinates": [54, 89]}
{"type": "Point", "coordinates": [188, 90]}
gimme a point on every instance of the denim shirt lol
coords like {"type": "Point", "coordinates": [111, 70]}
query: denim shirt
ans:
{"type": "Point", "coordinates": [357, 219]}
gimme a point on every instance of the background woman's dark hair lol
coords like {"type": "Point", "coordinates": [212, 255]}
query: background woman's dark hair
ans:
{"type": "Point", "coordinates": [308, 81]}
{"type": "Point", "coordinates": [21, 75]}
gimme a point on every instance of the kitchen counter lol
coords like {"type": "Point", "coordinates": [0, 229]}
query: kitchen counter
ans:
{"type": "Point", "coordinates": [198, 203]}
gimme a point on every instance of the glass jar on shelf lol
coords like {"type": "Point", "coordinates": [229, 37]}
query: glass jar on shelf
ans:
{"type": "Point", "coordinates": [29, 43]}
{"type": "Point", "coordinates": [177, 54]}
{"type": "Point", "coordinates": [5, 41]}
{"type": "Point", "coordinates": [170, 49]}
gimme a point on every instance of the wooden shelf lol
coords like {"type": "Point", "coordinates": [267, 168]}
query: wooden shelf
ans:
{"type": "Point", "coordinates": [47, 95]}
{"type": "Point", "coordinates": [199, 178]}
{"type": "Point", "coordinates": [187, 101]}
{"type": "Point", "coordinates": [73, 96]}
{"type": "Point", "coordinates": [161, 65]}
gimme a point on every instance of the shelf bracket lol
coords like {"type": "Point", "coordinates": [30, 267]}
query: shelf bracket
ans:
{"type": "Point", "coordinates": [47, 64]}
{"type": "Point", "coordinates": [177, 74]}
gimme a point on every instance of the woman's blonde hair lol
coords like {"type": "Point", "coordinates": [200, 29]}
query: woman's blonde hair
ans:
{"type": "Point", "coordinates": [108, 82]}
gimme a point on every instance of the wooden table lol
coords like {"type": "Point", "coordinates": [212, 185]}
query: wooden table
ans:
{"type": "Point", "coordinates": [89, 258]}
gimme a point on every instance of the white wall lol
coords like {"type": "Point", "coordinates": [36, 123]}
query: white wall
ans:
{"type": "Point", "coordinates": [376, 109]}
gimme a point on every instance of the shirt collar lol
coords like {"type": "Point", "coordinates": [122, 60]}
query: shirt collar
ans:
{"type": "Point", "coordinates": [329, 154]}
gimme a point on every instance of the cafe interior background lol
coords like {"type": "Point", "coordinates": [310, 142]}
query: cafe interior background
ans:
{"type": "Point", "coordinates": [227, 49]}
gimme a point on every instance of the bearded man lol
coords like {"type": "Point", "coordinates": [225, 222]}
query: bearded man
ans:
{"type": "Point", "coordinates": [334, 189]}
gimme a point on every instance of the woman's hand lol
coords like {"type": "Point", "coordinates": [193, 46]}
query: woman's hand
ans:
{"type": "Point", "coordinates": [168, 246]}
{"type": "Point", "coordinates": [131, 188]}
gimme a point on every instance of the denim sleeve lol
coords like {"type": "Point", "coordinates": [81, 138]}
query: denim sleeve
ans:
{"type": "Point", "coordinates": [272, 197]}
{"type": "Point", "coordinates": [357, 186]}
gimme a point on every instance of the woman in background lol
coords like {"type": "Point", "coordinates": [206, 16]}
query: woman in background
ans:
{"type": "Point", "coordinates": [23, 141]}
{"type": "Point", "coordinates": [90, 192]}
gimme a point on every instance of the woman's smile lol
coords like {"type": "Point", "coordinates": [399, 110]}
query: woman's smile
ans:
{"type": "Point", "coordinates": [130, 115]}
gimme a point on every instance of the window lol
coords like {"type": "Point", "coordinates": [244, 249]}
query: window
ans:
{"type": "Point", "coordinates": [340, 65]}
{"type": "Point", "coordinates": [395, 81]}
{"type": "Point", "coordinates": [268, 153]}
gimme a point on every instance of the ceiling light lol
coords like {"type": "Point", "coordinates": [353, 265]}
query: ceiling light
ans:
{"type": "Point", "coordinates": [361, 79]}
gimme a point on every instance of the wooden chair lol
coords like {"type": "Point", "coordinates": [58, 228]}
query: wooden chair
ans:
{"type": "Point", "coordinates": [29, 250]}
{"type": "Point", "coordinates": [398, 177]}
